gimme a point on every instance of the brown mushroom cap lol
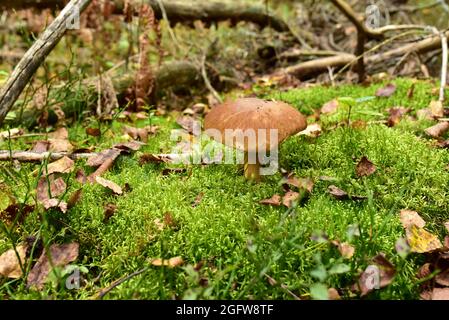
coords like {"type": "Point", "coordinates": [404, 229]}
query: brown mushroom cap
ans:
{"type": "Point", "coordinates": [255, 114]}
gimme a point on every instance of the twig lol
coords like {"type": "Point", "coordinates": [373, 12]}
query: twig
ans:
{"type": "Point", "coordinates": [118, 282]}
{"type": "Point", "coordinates": [30, 156]}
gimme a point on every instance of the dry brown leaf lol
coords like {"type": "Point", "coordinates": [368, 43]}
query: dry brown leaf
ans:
{"type": "Point", "coordinates": [275, 200]}
{"type": "Point", "coordinates": [74, 198]}
{"type": "Point", "coordinates": [443, 278]}
{"type": "Point", "coordinates": [57, 187]}
{"type": "Point", "coordinates": [313, 130]}
{"type": "Point", "coordinates": [425, 271]}
{"type": "Point", "coordinates": [300, 183]}
{"type": "Point", "coordinates": [409, 218]}
{"type": "Point", "coordinates": [171, 263]}
{"type": "Point", "coordinates": [189, 124]}
{"type": "Point", "coordinates": [129, 146]}
{"type": "Point", "coordinates": [152, 158]}
{"type": "Point", "coordinates": [55, 204]}
{"type": "Point", "coordinates": [436, 108]}
{"type": "Point", "coordinates": [437, 130]}
{"type": "Point", "coordinates": [41, 146]}
{"type": "Point", "coordinates": [109, 184]}
{"type": "Point", "coordinates": [365, 167]}
{"type": "Point", "coordinates": [94, 132]}
{"type": "Point", "coordinates": [346, 250]}
{"type": "Point", "coordinates": [396, 115]}
{"type": "Point", "coordinates": [60, 145]}
{"type": "Point", "coordinates": [440, 294]}
{"type": "Point", "coordinates": [168, 171]}
{"type": "Point", "coordinates": [60, 133]}
{"type": "Point", "coordinates": [421, 241]}
{"type": "Point", "coordinates": [330, 107]}
{"type": "Point", "coordinates": [63, 165]}
{"type": "Point", "coordinates": [333, 294]}
{"type": "Point", "coordinates": [376, 276]}
{"type": "Point", "coordinates": [100, 158]}
{"type": "Point", "coordinates": [10, 265]}
{"type": "Point", "coordinates": [81, 176]}
{"type": "Point", "coordinates": [61, 255]}
{"type": "Point", "coordinates": [109, 211]}
{"type": "Point", "coordinates": [386, 91]}
{"type": "Point", "coordinates": [289, 198]}
{"type": "Point", "coordinates": [15, 212]}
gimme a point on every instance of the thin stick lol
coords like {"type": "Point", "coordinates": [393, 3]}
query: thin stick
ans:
{"type": "Point", "coordinates": [118, 282]}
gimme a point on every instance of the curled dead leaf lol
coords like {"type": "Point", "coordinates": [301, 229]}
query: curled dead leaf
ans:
{"type": "Point", "coordinates": [422, 241]}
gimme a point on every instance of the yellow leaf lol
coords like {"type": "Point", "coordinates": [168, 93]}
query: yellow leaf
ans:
{"type": "Point", "coordinates": [422, 241]}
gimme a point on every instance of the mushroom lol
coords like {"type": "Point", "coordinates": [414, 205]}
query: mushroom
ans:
{"type": "Point", "coordinates": [234, 117]}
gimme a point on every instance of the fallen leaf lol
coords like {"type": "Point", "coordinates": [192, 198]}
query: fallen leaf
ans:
{"type": "Point", "coordinates": [300, 183]}
{"type": "Point", "coordinates": [198, 199]}
{"type": "Point", "coordinates": [338, 193]}
{"type": "Point", "coordinates": [129, 146]}
{"type": "Point", "coordinates": [55, 204]}
{"type": "Point", "coordinates": [425, 271]}
{"type": "Point", "coordinates": [80, 176]}
{"type": "Point", "coordinates": [74, 198]}
{"type": "Point", "coordinates": [109, 184]}
{"type": "Point", "coordinates": [41, 146]}
{"type": "Point", "coordinates": [275, 200]}
{"type": "Point", "coordinates": [376, 276]}
{"type": "Point", "coordinates": [289, 198]}
{"type": "Point", "coordinates": [313, 130]}
{"type": "Point", "coordinates": [16, 212]}
{"type": "Point", "coordinates": [60, 145]}
{"type": "Point", "coordinates": [409, 218]}
{"type": "Point", "coordinates": [61, 255]}
{"type": "Point", "coordinates": [63, 165]}
{"type": "Point", "coordinates": [421, 241]}
{"type": "Point", "coordinates": [365, 167]}
{"type": "Point", "coordinates": [57, 187]}
{"type": "Point", "coordinates": [346, 250]}
{"type": "Point", "coordinates": [100, 158]}
{"type": "Point", "coordinates": [171, 263]}
{"type": "Point", "coordinates": [138, 133]}
{"type": "Point", "coordinates": [10, 265]}
{"type": "Point", "coordinates": [396, 115]}
{"type": "Point", "coordinates": [424, 114]}
{"type": "Point", "coordinates": [443, 278]}
{"type": "Point", "coordinates": [60, 133]}
{"type": "Point", "coordinates": [152, 158]}
{"type": "Point", "coordinates": [168, 171]}
{"type": "Point", "coordinates": [386, 91]}
{"type": "Point", "coordinates": [436, 108]}
{"type": "Point", "coordinates": [189, 124]}
{"type": "Point", "coordinates": [109, 211]}
{"type": "Point", "coordinates": [437, 130]}
{"type": "Point", "coordinates": [440, 294]}
{"type": "Point", "coordinates": [330, 107]}
{"type": "Point", "coordinates": [333, 294]}
{"type": "Point", "coordinates": [94, 132]}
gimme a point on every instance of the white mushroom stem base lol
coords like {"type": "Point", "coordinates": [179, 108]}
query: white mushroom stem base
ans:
{"type": "Point", "coordinates": [252, 170]}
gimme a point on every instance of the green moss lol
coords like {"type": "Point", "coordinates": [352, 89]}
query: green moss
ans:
{"type": "Point", "coordinates": [237, 239]}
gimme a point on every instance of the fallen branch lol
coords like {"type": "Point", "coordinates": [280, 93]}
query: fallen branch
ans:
{"type": "Point", "coordinates": [182, 11]}
{"type": "Point", "coordinates": [30, 156]}
{"type": "Point", "coordinates": [34, 57]}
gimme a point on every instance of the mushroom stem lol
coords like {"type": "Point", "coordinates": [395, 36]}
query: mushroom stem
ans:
{"type": "Point", "coordinates": [252, 170]}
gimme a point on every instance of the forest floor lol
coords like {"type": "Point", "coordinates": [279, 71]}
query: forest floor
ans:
{"type": "Point", "coordinates": [226, 244]}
